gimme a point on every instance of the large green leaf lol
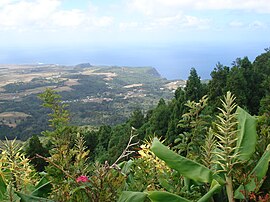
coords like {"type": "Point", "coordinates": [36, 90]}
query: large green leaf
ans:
{"type": "Point", "coordinates": [247, 135]}
{"type": "Point", "coordinates": [161, 196]}
{"type": "Point", "coordinates": [3, 188]}
{"type": "Point", "coordinates": [256, 176]}
{"type": "Point", "coordinates": [29, 198]}
{"type": "Point", "coordinates": [129, 196]}
{"type": "Point", "coordinates": [43, 188]}
{"type": "Point", "coordinates": [215, 187]}
{"type": "Point", "coordinates": [262, 166]}
{"type": "Point", "coordinates": [125, 166]}
{"type": "Point", "coordinates": [186, 167]}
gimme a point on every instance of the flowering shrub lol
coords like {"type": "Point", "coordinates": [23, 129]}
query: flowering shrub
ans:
{"type": "Point", "coordinates": [82, 178]}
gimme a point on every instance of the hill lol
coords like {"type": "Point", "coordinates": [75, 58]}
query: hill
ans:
{"type": "Point", "coordinates": [96, 95]}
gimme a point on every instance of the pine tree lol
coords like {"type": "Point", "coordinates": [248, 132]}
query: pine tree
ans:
{"type": "Point", "coordinates": [194, 89]}
{"type": "Point", "coordinates": [35, 147]}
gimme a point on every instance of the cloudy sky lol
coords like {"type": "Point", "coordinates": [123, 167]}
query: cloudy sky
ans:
{"type": "Point", "coordinates": [114, 23]}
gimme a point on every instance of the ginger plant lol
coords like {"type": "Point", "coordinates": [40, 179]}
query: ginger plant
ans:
{"type": "Point", "coordinates": [196, 122]}
{"type": "Point", "coordinates": [228, 146]}
{"type": "Point", "coordinates": [227, 138]}
{"type": "Point", "coordinates": [16, 173]}
{"type": "Point", "coordinates": [208, 150]}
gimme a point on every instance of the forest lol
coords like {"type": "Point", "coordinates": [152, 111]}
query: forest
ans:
{"type": "Point", "coordinates": [210, 142]}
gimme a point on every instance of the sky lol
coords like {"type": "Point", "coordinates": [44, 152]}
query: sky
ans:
{"type": "Point", "coordinates": [179, 33]}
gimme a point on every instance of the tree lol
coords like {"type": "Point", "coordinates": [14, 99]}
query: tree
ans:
{"type": "Point", "coordinates": [194, 89]}
{"type": "Point", "coordinates": [253, 94]}
{"type": "Point", "coordinates": [35, 147]}
{"type": "Point", "coordinates": [262, 68]}
{"type": "Point", "coordinates": [237, 84]}
{"type": "Point", "coordinates": [178, 108]}
{"type": "Point", "coordinates": [159, 119]}
{"type": "Point", "coordinates": [59, 116]}
{"type": "Point", "coordinates": [217, 85]}
{"type": "Point", "coordinates": [137, 119]}
{"type": "Point", "coordinates": [119, 139]}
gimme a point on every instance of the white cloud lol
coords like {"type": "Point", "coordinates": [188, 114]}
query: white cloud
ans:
{"type": "Point", "coordinates": [126, 26]}
{"type": "Point", "coordinates": [199, 23]}
{"type": "Point", "coordinates": [72, 18]}
{"type": "Point", "coordinates": [172, 23]}
{"type": "Point", "coordinates": [178, 14]}
{"type": "Point", "coordinates": [257, 24]}
{"type": "Point", "coordinates": [47, 15]}
{"type": "Point", "coordinates": [155, 7]}
{"type": "Point", "coordinates": [236, 23]}
{"type": "Point", "coordinates": [24, 13]}
{"type": "Point", "coordinates": [260, 6]}
{"type": "Point", "coordinates": [183, 21]}
{"type": "Point", "coordinates": [104, 21]}
{"type": "Point", "coordinates": [250, 25]}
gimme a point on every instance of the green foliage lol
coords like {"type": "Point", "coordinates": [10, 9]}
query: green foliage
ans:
{"type": "Point", "coordinates": [40, 193]}
{"type": "Point", "coordinates": [228, 147]}
{"type": "Point", "coordinates": [216, 152]}
{"type": "Point", "coordinates": [35, 147]}
{"type": "Point", "coordinates": [192, 170]}
{"type": "Point", "coordinates": [3, 188]}
{"type": "Point", "coordinates": [18, 179]}
{"type": "Point", "coordinates": [227, 140]}
{"type": "Point", "coordinates": [14, 166]}
{"type": "Point", "coordinates": [158, 196]}
{"type": "Point", "coordinates": [119, 139]}
{"type": "Point", "coordinates": [129, 196]}
{"type": "Point", "coordinates": [227, 134]}
{"type": "Point", "coordinates": [137, 119]}
{"type": "Point", "coordinates": [150, 173]}
{"type": "Point", "coordinates": [159, 119]}
{"type": "Point", "coordinates": [235, 83]}
{"type": "Point", "coordinates": [29, 198]}
{"type": "Point", "coordinates": [194, 89]}
{"type": "Point", "coordinates": [243, 79]}
{"type": "Point", "coordinates": [255, 178]}
{"type": "Point", "coordinates": [59, 115]}
{"type": "Point", "coordinates": [177, 108]}
{"type": "Point", "coordinates": [208, 150]}
{"type": "Point", "coordinates": [195, 123]}
{"type": "Point", "coordinates": [217, 85]}
{"type": "Point", "coordinates": [247, 135]}
{"type": "Point", "coordinates": [42, 188]}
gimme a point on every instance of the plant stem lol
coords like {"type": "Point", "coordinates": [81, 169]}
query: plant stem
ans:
{"type": "Point", "coordinates": [229, 188]}
{"type": "Point", "coordinates": [55, 165]}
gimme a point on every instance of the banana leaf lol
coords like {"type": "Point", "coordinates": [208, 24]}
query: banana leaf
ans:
{"type": "Point", "coordinates": [184, 166]}
{"type": "Point", "coordinates": [43, 188]}
{"type": "Point", "coordinates": [3, 188]}
{"type": "Point", "coordinates": [215, 187]}
{"type": "Point", "coordinates": [256, 176]}
{"type": "Point", "coordinates": [161, 196]}
{"type": "Point", "coordinates": [247, 135]}
{"type": "Point", "coordinates": [29, 198]}
{"type": "Point", "coordinates": [129, 196]}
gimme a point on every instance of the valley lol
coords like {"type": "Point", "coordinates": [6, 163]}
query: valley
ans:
{"type": "Point", "coordinates": [95, 95]}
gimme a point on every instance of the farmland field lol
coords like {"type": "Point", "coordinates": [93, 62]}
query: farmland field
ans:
{"type": "Point", "coordinates": [95, 95]}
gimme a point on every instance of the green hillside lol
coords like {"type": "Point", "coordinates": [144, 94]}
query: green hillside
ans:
{"type": "Point", "coordinates": [96, 95]}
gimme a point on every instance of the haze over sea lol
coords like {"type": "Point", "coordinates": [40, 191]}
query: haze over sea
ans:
{"type": "Point", "coordinates": [170, 35]}
{"type": "Point", "coordinates": [173, 61]}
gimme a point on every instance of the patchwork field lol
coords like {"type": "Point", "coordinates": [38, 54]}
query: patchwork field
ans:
{"type": "Point", "coordinates": [96, 95]}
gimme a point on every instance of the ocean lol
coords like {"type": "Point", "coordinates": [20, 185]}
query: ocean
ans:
{"type": "Point", "coordinates": [173, 61]}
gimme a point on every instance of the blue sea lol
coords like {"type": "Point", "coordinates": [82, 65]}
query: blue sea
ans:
{"type": "Point", "coordinates": [173, 61]}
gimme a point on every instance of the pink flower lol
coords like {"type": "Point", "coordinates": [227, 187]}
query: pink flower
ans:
{"type": "Point", "coordinates": [82, 178]}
